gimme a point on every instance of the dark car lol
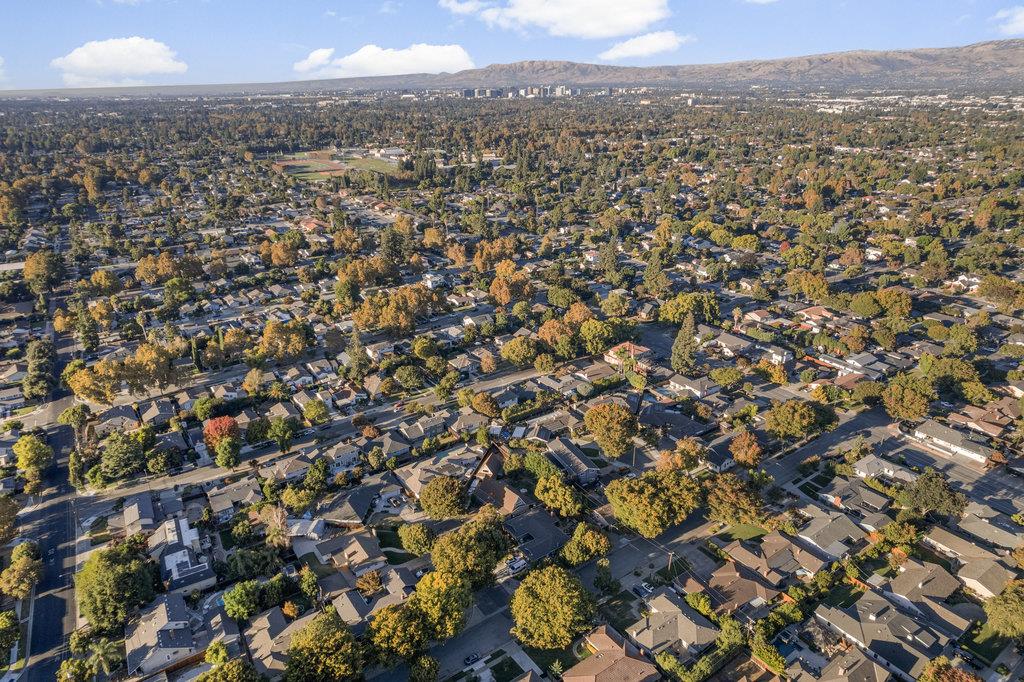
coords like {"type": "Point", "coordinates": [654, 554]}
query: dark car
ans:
{"type": "Point", "coordinates": [471, 659]}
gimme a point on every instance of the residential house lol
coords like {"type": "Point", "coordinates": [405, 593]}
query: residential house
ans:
{"type": "Point", "coordinates": [157, 412]}
{"type": "Point", "coordinates": [227, 500]}
{"type": "Point", "coordinates": [671, 625]}
{"type": "Point", "coordinates": [138, 514]}
{"type": "Point", "coordinates": [699, 388]}
{"type": "Point", "coordinates": [458, 463]}
{"type": "Point", "coordinates": [573, 461]}
{"type": "Point", "coordinates": [269, 636]}
{"type": "Point", "coordinates": [831, 533]}
{"type": "Point", "coordinates": [537, 534]}
{"type": "Point", "coordinates": [357, 552]}
{"type": "Point", "coordinates": [642, 356]}
{"type": "Point", "coordinates": [176, 548]}
{"type": "Point", "coordinates": [776, 557]}
{"type": "Point", "coordinates": [160, 637]}
{"type": "Point", "coordinates": [734, 587]}
{"type": "Point", "coordinates": [956, 547]}
{"type": "Point", "coordinates": [923, 589]}
{"type": "Point", "coordinates": [117, 418]}
{"type": "Point", "coordinates": [873, 466]}
{"type": "Point", "coordinates": [612, 658]}
{"type": "Point", "coordinates": [953, 442]}
{"type": "Point", "coordinates": [985, 577]}
{"type": "Point", "coordinates": [886, 635]}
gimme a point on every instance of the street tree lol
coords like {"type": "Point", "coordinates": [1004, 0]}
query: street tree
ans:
{"type": "Point", "coordinates": [550, 608]}
{"type": "Point", "coordinates": [613, 427]}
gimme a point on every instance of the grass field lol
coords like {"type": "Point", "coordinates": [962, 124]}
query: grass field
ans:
{"type": "Point", "coordinates": [843, 595]}
{"type": "Point", "coordinates": [619, 611]}
{"type": "Point", "coordinates": [985, 643]}
{"type": "Point", "coordinates": [506, 670]}
{"type": "Point", "coordinates": [305, 166]}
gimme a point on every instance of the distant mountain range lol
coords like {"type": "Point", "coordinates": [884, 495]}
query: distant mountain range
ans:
{"type": "Point", "coordinates": [990, 65]}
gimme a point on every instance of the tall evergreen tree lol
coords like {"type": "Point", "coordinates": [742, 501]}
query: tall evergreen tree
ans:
{"type": "Point", "coordinates": [684, 348]}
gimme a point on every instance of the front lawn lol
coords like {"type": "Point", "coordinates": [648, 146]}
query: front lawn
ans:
{"type": "Point", "coordinates": [545, 657]}
{"type": "Point", "coordinates": [985, 643]}
{"type": "Point", "coordinates": [619, 611]}
{"type": "Point", "coordinates": [506, 670]}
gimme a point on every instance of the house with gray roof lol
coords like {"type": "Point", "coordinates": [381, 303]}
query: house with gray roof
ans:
{"type": "Point", "coordinates": [670, 624]}
{"type": "Point", "coordinates": [160, 638]}
{"type": "Point", "coordinates": [886, 635]}
{"type": "Point", "coordinates": [573, 461]}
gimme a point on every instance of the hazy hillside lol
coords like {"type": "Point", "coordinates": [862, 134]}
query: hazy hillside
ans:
{"type": "Point", "coordinates": [995, 64]}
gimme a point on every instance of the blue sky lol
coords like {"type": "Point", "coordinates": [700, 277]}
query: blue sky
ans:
{"type": "Point", "coordinates": [53, 43]}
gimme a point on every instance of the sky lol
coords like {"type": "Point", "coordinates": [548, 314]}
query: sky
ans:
{"type": "Point", "coordinates": [93, 43]}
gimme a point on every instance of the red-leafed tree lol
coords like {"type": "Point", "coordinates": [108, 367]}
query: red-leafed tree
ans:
{"type": "Point", "coordinates": [217, 429]}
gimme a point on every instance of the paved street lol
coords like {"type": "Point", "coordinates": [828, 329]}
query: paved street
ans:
{"type": "Point", "coordinates": [50, 522]}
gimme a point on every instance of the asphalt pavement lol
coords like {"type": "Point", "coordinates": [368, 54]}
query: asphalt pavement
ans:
{"type": "Point", "coordinates": [50, 522]}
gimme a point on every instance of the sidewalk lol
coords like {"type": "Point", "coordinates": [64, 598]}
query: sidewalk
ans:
{"type": "Point", "coordinates": [10, 675]}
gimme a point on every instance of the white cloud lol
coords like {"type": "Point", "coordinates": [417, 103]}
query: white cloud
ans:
{"type": "Point", "coordinates": [646, 45]}
{"type": "Point", "coordinates": [1011, 20]}
{"type": "Point", "coordinates": [569, 18]}
{"type": "Point", "coordinates": [373, 60]}
{"type": "Point", "coordinates": [760, 2]}
{"type": "Point", "coordinates": [389, 7]}
{"type": "Point", "coordinates": [463, 6]}
{"type": "Point", "coordinates": [3, 74]}
{"type": "Point", "coordinates": [317, 59]}
{"type": "Point", "coordinates": [117, 61]}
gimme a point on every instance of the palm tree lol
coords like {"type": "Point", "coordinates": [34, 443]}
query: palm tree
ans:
{"type": "Point", "coordinates": [105, 655]}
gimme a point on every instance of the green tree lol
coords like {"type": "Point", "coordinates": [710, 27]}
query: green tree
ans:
{"type": "Point", "coordinates": [684, 348]}
{"type": "Point", "coordinates": [281, 431]}
{"type": "Point", "coordinates": [931, 493]}
{"type": "Point", "coordinates": [555, 494]}
{"type": "Point", "coordinates": [8, 519]}
{"type": "Point", "coordinates": [309, 584]}
{"type": "Point", "coordinates": [227, 452]}
{"type": "Point", "coordinates": [33, 457]}
{"type": "Point", "coordinates": [442, 600]}
{"type": "Point", "coordinates": [216, 654]}
{"type": "Point", "coordinates": [550, 608]}
{"type": "Point", "coordinates": [443, 497]}
{"type": "Point", "coordinates": [112, 583]}
{"type": "Point", "coordinates": [596, 335]}
{"type": "Point", "coordinates": [242, 601]}
{"type": "Point", "coordinates": [10, 631]}
{"type": "Point", "coordinates": [791, 419]}
{"type": "Point", "coordinates": [1006, 610]}
{"type": "Point", "coordinates": [397, 632]}
{"type": "Point", "coordinates": [474, 549]}
{"type": "Point", "coordinates": [907, 396]}
{"type": "Point", "coordinates": [613, 427]}
{"type": "Point", "coordinates": [105, 655]}
{"type": "Point", "coordinates": [731, 500]}
{"type": "Point", "coordinates": [585, 544]}
{"type": "Point", "coordinates": [235, 670]}
{"type": "Point", "coordinates": [520, 351]}
{"type": "Point", "coordinates": [424, 669]}
{"type": "Point", "coordinates": [315, 412]}
{"type": "Point", "coordinates": [23, 573]}
{"type": "Point", "coordinates": [74, 670]}
{"type": "Point", "coordinates": [417, 538]}
{"type": "Point", "coordinates": [653, 501]}
{"type": "Point", "coordinates": [324, 651]}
